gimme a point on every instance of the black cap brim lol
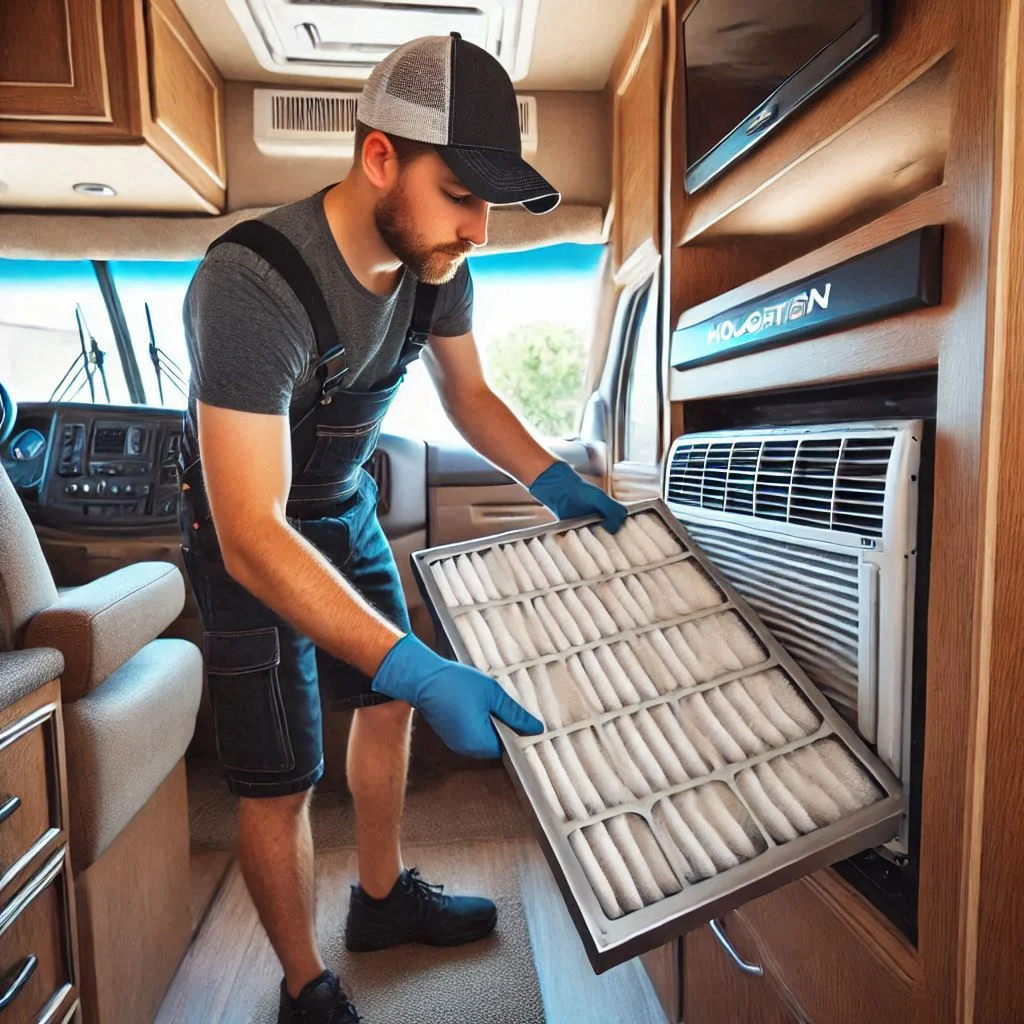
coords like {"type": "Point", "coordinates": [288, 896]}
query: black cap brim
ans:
{"type": "Point", "coordinates": [500, 177]}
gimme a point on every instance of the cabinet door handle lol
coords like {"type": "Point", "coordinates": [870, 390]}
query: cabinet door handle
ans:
{"type": "Point", "coordinates": [24, 972]}
{"type": "Point", "coordinates": [8, 807]}
{"type": "Point", "coordinates": [755, 970]}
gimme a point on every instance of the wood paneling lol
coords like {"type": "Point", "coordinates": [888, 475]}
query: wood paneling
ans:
{"type": "Point", "coordinates": [922, 31]}
{"type": "Point", "coordinates": [52, 63]}
{"type": "Point", "coordinates": [35, 923]}
{"type": "Point", "coordinates": [160, 92]}
{"type": "Point", "coordinates": [186, 94]}
{"type": "Point", "coordinates": [826, 958]}
{"type": "Point", "coordinates": [717, 991]}
{"type": "Point", "coordinates": [207, 869]}
{"type": "Point", "coordinates": [637, 149]}
{"type": "Point", "coordinates": [133, 911]}
{"type": "Point", "coordinates": [662, 966]}
{"type": "Point", "coordinates": [37, 911]}
{"type": "Point", "coordinates": [29, 774]}
{"type": "Point", "coordinates": [969, 913]}
{"type": "Point", "coordinates": [994, 921]}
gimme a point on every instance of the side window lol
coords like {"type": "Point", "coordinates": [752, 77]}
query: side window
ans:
{"type": "Point", "coordinates": [641, 393]}
{"type": "Point", "coordinates": [532, 320]}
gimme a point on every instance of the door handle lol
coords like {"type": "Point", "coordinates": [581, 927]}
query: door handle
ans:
{"type": "Point", "coordinates": [754, 970]}
{"type": "Point", "coordinates": [24, 972]}
{"type": "Point", "coordinates": [8, 807]}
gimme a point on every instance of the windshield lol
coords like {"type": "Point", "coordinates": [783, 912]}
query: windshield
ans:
{"type": "Point", "coordinates": [161, 285]}
{"type": "Point", "coordinates": [55, 337]}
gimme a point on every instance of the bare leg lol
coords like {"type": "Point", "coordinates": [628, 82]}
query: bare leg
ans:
{"type": "Point", "coordinates": [377, 764]}
{"type": "Point", "coordinates": [275, 851]}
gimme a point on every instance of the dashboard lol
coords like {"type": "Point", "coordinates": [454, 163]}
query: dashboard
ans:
{"type": "Point", "coordinates": [95, 466]}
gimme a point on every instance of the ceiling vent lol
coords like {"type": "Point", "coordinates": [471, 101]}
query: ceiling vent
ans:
{"type": "Point", "coordinates": [344, 39]}
{"type": "Point", "coordinates": [289, 122]}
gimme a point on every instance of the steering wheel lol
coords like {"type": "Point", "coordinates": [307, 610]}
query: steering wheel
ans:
{"type": "Point", "coordinates": [8, 415]}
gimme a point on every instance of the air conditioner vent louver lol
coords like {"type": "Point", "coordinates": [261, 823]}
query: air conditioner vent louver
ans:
{"type": "Point", "coordinates": [836, 483]}
{"type": "Point", "coordinates": [817, 527]}
{"type": "Point", "coordinates": [288, 122]}
{"type": "Point", "coordinates": [313, 113]}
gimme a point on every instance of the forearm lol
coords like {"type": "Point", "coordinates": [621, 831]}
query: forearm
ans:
{"type": "Point", "coordinates": [291, 577]}
{"type": "Point", "coordinates": [495, 431]}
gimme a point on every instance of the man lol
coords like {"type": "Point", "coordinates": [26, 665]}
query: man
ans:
{"type": "Point", "coordinates": [299, 332]}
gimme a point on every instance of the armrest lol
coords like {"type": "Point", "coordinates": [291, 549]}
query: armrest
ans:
{"type": "Point", "coordinates": [23, 672]}
{"type": "Point", "coordinates": [99, 626]}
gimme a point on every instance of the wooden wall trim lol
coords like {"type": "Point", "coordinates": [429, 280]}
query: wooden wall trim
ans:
{"type": "Point", "coordinates": [991, 921]}
{"type": "Point", "coordinates": [635, 84]}
{"type": "Point", "coordinates": [194, 147]}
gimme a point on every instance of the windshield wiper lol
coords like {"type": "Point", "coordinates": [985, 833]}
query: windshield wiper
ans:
{"type": "Point", "coordinates": [82, 364]}
{"type": "Point", "coordinates": [163, 363]}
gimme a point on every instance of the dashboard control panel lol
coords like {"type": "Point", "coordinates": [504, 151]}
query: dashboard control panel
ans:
{"type": "Point", "coordinates": [105, 465]}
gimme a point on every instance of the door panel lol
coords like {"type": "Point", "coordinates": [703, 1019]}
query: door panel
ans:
{"type": "Point", "coordinates": [465, 513]}
{"type": "Point", "coordinates": [469, 497]}
{"type": "Point", "coordinates": [635, 481]}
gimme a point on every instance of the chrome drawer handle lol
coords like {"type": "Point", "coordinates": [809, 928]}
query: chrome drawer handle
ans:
{"type": "Point", "coordinates": [8, 807]}
{"type": "Point", "coordinates": [755, 970]}
{"type": "Point", "coordinates": [24, 973]}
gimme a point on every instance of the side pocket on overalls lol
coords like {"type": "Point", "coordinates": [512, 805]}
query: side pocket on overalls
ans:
{"type": "Point", "coordinates": [340, 450]}
{"type": "Point", "coordinates": [248, 712]}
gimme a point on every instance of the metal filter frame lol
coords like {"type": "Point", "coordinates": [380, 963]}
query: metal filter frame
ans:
{"type": "Point", "coordinates": [609, 942]}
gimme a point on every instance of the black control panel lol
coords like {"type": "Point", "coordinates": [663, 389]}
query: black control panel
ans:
{"type": "Point", "coordinates": [110, 466]}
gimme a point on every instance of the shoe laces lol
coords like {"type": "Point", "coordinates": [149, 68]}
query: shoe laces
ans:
{"type": "Point", "coordinates": [428, 896]}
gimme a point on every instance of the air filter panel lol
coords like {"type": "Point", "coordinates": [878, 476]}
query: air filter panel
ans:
{"type": "Point", "coordinates": [688, 765]}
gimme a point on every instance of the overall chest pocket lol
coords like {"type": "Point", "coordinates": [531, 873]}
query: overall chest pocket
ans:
{"type": "Point", "coordinates": [339, 450]}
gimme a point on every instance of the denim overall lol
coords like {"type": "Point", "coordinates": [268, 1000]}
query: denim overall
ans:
{"type": "Point", "coordinates": [264, 676]}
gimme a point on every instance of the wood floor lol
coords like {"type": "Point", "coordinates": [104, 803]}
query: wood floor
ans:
{"type": "Point", "coordinates": [532, 971]}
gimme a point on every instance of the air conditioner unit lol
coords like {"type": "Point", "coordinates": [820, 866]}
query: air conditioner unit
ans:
{"type": "Point", "coordinates": [293, 123]}
{"type": "Point", "coordinates": [817, 528]}
{"type": "Point", "coordinates": [346, 38]}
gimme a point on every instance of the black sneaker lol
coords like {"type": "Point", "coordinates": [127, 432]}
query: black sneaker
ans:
{"type": "Point", "coordinates": [320, 1002]}
{"type": "Point", "coordinates": [416, 911]}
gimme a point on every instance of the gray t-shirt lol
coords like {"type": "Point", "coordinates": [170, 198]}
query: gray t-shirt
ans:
{"type": "Point", "coordinates": [250, 342]}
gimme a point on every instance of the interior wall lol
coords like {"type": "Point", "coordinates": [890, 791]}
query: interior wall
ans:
{"type": "Point", "coordinates": [573, 153]}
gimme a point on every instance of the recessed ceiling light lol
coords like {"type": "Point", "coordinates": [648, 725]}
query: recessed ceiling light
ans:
{"type": "Point", "coordinates": [92, 188]}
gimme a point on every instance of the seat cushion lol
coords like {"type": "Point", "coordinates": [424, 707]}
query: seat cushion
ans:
{"type": "Point", "coordinates": [100, 625]}
{"type": "Point", "coordinates": [124, 738]}
{"type": "Point", "coordinates": [23, 672]}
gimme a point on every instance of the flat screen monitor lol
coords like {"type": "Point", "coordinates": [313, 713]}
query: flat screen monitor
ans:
{"type": "Point", "coordinates": [751, 63]}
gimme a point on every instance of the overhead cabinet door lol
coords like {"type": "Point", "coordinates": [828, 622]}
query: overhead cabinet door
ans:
{"type": "Point", "coordinates": [688, 764]}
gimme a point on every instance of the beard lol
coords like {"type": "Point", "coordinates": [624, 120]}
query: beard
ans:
{"type": "Point", "coordinates": [432, 264]}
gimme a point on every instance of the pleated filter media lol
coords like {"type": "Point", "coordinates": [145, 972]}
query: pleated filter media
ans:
{"type": "Point", "coordinates": [680, 741]}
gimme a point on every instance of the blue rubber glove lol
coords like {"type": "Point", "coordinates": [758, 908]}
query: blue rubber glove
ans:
{"type": "Point", "coordinates": [570, 497]}
{"type": "Point", "coordinates": [456, 700]}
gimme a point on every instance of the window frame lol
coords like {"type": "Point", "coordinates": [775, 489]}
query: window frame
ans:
{"type": "Point", "coordinates": [637, 304]}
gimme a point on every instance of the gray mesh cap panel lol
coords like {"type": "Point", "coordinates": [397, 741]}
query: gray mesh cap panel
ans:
{"type": "Point", "coordinates": [409, 92]}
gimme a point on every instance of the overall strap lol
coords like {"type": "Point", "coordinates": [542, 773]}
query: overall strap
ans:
{"type": "Point", "coordinates": [274, 247]}
{"type": "Point", "coordinates": [423, 308]}
{"type": "Point", "coordinates": [419, 327]}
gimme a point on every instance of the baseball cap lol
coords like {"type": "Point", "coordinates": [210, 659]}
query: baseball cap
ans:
{"type": "Point", "coordinates": [452, 94]}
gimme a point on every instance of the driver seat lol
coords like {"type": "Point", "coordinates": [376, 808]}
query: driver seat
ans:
{"type": "Point", "coordinates": [129, 704]}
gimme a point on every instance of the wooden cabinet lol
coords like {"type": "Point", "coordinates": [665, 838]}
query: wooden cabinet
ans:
{"type": "Point", "coordinates": [717, 990]}
{"type": "Point", "coordinates": [826, 956]}
{"type": "Point", "coordinates": [636, 105]}
{"type": "Point", "coordinates": [38, 945]}
{"type": "Point", "coordinates": [62, 74]}
{"type": "Point", "coordinates": [115, 92]}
